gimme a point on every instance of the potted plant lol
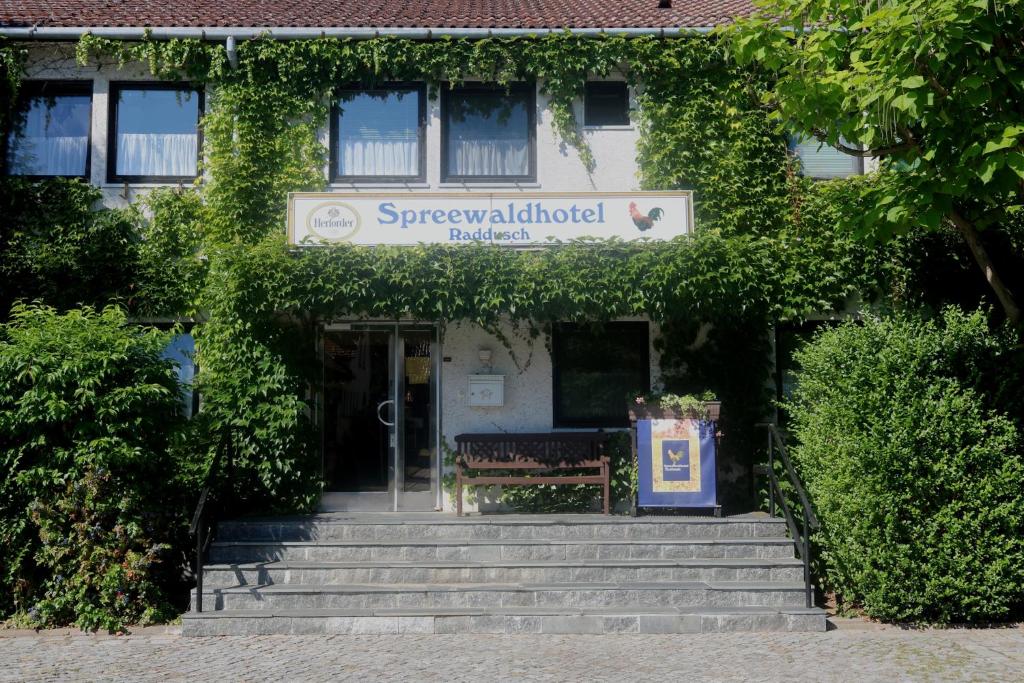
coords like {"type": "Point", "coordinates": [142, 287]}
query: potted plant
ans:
{"type": "Point", "coordinates": [665, 406]}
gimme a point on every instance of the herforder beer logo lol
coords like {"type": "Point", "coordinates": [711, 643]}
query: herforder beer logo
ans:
{"type": "Point", "coordinates": [333, 221]}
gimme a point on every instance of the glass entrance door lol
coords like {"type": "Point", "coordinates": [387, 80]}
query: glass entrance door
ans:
{"type": "Point", "coordinates": [380, 417]}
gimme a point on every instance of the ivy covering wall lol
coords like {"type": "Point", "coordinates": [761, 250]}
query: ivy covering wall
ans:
{"type": "Point", "coordinates": [760, 253]}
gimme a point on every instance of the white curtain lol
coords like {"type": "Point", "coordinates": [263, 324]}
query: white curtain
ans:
{"type": "Point", "coordinates": [156, 154]}
{"type": "Point", "coordinates": [488, 135]}
{"type": "Point", "coordinates": [489, 157]}
{"type": "Point", "coordinates": [41, 155]}
{"type": "Point", "coordinates": [359, 156]}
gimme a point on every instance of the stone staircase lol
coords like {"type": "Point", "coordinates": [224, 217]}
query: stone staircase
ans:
{"type": "Point", "coordinates": [436, 573]}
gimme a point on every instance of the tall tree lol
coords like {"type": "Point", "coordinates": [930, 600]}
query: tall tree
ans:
{"type": "Point", "coordinates": [933, 88]}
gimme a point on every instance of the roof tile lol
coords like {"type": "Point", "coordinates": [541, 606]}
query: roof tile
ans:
{"type": "Point", "coordinates": [538, 14]}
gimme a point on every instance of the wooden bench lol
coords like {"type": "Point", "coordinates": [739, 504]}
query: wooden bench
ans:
{"type": "Point", "coordinates": [533, 454]}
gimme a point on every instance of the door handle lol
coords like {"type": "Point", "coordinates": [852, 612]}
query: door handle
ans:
{"type": "Point", "coordinates": [382, 420]}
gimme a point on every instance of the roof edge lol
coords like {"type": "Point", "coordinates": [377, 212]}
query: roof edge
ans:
{"type": "Point", "coordinates": [297, 33]}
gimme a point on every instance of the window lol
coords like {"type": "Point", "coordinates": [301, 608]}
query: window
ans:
{"type": "Point", "coordinates": [378, 134]}
{"type": "Point", "coordinates": [596, 368]}
{"type": "Point", "coordinates": [819, 160]}
{"type": "Point", "coordinates": [487, 133]}
{"type": "Point", "coordinates": [181, 351]}
{"type": "Point", "coordinates": [50, 130]}
{"type": "Point", "coordinates": [154, 132]}
{"type": "Point", "coordinates": [606, 103]}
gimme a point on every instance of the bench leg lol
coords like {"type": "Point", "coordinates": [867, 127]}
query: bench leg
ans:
{"type": "Point", "coordinates": [607, 488]}
{"type": "Point", "coordinates": [458, 490]}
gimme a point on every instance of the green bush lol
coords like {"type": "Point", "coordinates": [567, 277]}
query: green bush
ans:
{"type": "Point", "coordinates": [171, 268]}
{"type": "Point", "coordinates": [59, 245]}
{"type": "Point", "coordinates": [91, 502]}
{"type": "Point", "coordinates": [55, 247]}
{"type": "Point", "coordinates": [916, 475]}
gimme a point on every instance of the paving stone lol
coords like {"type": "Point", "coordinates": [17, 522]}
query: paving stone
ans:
{"type": "Point", "coordinates": [572, 624]}
{"type": "Point", "coordinates": [621, 624]}
{"type": "Point", "coordinates": [523, 624]}
{"type": "Point", "coordinates": [869, 653]}
{"type": "Point", "coordinates": [374, 625]}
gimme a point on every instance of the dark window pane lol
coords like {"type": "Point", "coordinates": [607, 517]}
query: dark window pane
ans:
{"type": "Point", "coordinates": [181, 351]}
{"type": "Point", "coordinates": [606, 104]}
{"type": "Point", "coordinates": [50, 135]}
{"type": "Point", "coordinates": [596, 368]}
{"type": "Point", "coordinates": [488, 133]}
{"type": "Point", "coordinates": [378, 133]}
{"type": "Point", "coordinates": [157, 132]}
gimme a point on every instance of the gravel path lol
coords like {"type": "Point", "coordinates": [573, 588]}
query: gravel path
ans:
{"type": "Point", "coordinates": [853, 652]}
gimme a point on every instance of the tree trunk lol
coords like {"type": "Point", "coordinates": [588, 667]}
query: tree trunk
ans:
{"type": "Point", "coordinates": [1005, 296]}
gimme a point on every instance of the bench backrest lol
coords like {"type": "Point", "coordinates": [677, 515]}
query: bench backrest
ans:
{"type": "Point", "coordinates": [532, 451]}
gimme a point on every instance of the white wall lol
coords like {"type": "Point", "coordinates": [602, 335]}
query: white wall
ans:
{"type": "Point", "coordinates": [57, 62]}
{"type": "Point", "coordinates": [528, 391]}
{"type": "Point", "coordinates": [558, 166]}
{"type": "Point", "coordinates": [528, 388]}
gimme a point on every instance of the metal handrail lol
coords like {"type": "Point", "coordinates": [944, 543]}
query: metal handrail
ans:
{"type": "Point", "coordinates": [801, 536]}
{"type": "Point", "coordinates": [224, 449]}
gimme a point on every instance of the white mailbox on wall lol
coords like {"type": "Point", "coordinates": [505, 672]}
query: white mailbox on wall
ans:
{"type": "Point", "coordinates": [486, 391]}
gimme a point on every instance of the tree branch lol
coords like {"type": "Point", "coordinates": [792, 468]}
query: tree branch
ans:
{"type": "Point", "coordinates": [1005, 296]}
{"type": "Point", "coordinates": [864, 153]}
{"type": "Point", "coordinates": [932, 80]}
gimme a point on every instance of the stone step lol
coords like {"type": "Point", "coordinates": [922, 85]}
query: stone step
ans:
{"type": "Point", "coordinates": [503, 621]}
{"type": "Point", "coordinates": [477, 550]}
{"type": "Point", "coordinates": [515, 571]}
{"type": "Point", "coordinates": [576, 595]}
{"type": "Point", "coordinates": [341, 527]}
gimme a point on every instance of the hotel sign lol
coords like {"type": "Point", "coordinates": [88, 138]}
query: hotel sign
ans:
{"type": "Point", "coordinates": [511, 219]}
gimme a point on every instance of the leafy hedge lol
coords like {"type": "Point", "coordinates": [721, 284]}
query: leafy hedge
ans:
{"type": "Point", "coordinates": [916, 475]}
{"type": "Point", "coordinates": [59, 245]}
{"type": "Point", "coordinates": [93, 494]}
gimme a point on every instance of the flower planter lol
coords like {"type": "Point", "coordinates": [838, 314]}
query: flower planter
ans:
{"type": "Point", "coordinates": [656, 412]}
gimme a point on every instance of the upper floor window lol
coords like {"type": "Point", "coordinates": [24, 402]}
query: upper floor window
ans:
{"type": "Point", "coordinates": [378, 134]}
{"type": "Point", "coordinates": [50, 129]}
{"type": "Point", "coordinates": [606, 103]}
{"type": "Point", "coordinates": [154, 132]}
{"type": "Point", "coordinates": [819, 160]}
{"type": "Point", "coordinates": [487, 133]}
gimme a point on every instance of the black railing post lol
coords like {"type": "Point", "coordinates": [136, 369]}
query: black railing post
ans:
{"type": "Point", "coordinates": [771, 468]}
{"type": "Point", "coordinates": [199, 568]}
{"type": "Point", "coordinates": [200, 517]}
{"type": "Point", "coordinates": [807, 561]}
{"type": "Point", "coordinates": [777, 497]}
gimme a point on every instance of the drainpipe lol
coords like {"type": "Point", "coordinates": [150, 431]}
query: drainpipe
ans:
{"type": "Point", "coordinates": [291, 33]}
{"type": "Point", "coordinates": [232, 51]}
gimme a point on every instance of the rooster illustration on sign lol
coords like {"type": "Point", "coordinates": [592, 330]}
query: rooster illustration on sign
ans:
{"type": "Point", "coordinates": [675, 456]}
{"type": "Point", "coordinates": [642, 222]}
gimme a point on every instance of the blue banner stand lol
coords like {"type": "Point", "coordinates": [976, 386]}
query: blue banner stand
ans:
{"type": "Point", "coordinates": [676, 465]}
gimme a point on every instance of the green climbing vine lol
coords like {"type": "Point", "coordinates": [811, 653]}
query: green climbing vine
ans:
{"type": "Point", "coordinates": [12, 58]}
{"type": "Point", "coordinates": [765, 250]}
{"type": "Point", "coordinates": [701, 126]}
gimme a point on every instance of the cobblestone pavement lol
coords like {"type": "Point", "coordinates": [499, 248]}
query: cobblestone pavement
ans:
{"type": "Point", "coordinates": [872, 653]}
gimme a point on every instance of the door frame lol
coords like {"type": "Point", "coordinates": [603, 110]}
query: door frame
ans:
{"type": "Point", "coordinates": [391, 500]}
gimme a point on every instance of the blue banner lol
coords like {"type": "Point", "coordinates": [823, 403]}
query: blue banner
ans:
{"type": "Point", "coordinates": [676, 463]}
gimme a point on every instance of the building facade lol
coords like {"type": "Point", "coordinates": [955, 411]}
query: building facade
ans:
{"type": "Point", "coordinates": [393, 393]}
